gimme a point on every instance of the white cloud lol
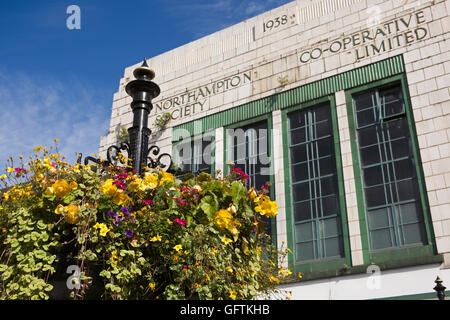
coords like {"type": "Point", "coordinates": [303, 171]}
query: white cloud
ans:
{"type": "Point", "coordinates": [34, 112]}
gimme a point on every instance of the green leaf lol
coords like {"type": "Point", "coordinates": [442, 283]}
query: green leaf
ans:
{"type": "Point", "coordinates": [105, 273]}
{"type": "Point", "coordinates": [41, 225]}
{"type": "Point", "coordinates": [239, 192]}
{"type": "Point", "coordinates": [40, 254]}
{"type": "Point", "coordinates": [209, 206]}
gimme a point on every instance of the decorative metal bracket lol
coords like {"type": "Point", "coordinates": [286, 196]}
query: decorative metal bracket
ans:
{"type": "Point", "coordinates": [157, 163]}
{"type": "Point", "coordinates": [112, 154]}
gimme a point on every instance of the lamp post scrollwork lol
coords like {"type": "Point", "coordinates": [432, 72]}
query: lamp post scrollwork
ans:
{"type": "Point", "coordinates": [142, 90]}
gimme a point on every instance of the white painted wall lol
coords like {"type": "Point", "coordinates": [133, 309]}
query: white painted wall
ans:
{"type": "Point", "coordinates": [389, 283]}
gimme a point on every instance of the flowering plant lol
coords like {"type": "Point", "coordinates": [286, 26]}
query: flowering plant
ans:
{"type": "Point", "coordinates": [149, 236]}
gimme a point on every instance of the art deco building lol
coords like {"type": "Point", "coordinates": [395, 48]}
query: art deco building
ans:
{"type": "Point", "coordinates": [344, 106]}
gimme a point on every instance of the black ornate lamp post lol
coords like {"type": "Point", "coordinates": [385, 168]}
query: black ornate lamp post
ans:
{"type": "Point", "coordinates": [440, 289]}
{"type": "Point", "coordinates": [142, 90]}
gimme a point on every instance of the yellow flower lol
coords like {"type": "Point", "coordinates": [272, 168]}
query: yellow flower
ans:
{"type": "Point", "coordinates": [10, 169]}
{"type": "Point", "coordinates": [233, 294]}
{"type": "Point", "coordinates": [156, 238]}
{"type": "Point", "coordinates": [273, 279]}
{"type": "Point", "coordinates": [71, 216]}
{"type": "Point", "coordinates": [152, 286]}
{"type": "Point", "coordinates": [108, 187]}
{"type": "Point", "coordinates": [169, 222]}
{"type": "Point", "coordinates": [259, 250]}
{"type": "Point", "coordinates": [72, 208]}
{"type": "Point", "coordinates": [56, 140]}
{"type": "Point", "coordinates": [213, 250]}
{"type": "Point", "coordinates": [226, 240]}
{"type": "Point", "coordinates": [178, 247]}
{"type": "Point", "coordinates": [114, 258]}
{"type": "Point", "coordinates": [37, 149]}
{"type": "Point", "coordinates": [252, 193]}
{"type": "Point", "coordinates": [3, 176]}
{"type": "Point", "coordinates": [300, 275]}
{"type": "Point", "coordinates": [104, 231]}
{"type": "Point", "coordinates": [266, 207]}
{"type": "Point", "coordinates": [150, 180]}
{"type": "Point", "coordinates": [73, 185]}
{"type": "Point", "coordinates": [229, 269]}
{"type": "Point", "coordinates": [166, 176]}
{"type": "Point", "coordinates": [59, 209]}
{"type": "Point", "coordinates": [120, 197]}
{"type": "Point", "coordinates": [223, 218]}
{"type": "Point", "coordinates": [61, 188]}
{"type": "Point", "coordinates": [103, 228]}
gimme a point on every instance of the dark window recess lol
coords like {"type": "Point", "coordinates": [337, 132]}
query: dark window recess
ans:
{"type": "Point", "coordinates": [318, 232]}
{"type": "Point", "coordinates": [250, 152]}
{"type": "Point", "coordinates": [195, 156]}
{"type": "Point", "coordinates": [391, 190]}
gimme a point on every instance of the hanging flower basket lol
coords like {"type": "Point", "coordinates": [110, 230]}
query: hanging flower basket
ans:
{"type": "Point", "coordinates": [129, 236]}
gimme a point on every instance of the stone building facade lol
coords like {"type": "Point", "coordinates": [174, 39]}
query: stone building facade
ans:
{"type": "Point", "coordinates": [345, 105]}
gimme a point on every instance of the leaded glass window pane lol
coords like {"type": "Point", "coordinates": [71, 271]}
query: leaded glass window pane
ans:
{"type": "Point", "coordinates": [393, 204]}
{"type": "Point", "coordinates": [315, 194]}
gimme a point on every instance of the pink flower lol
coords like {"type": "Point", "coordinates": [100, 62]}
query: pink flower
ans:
{"type": "Point", "coordinates": [241, 174]}
{"type": "Point", "coordinates": [120, 184]}
{"type": "Point", "coordinates": [18, 171]}
{"type": "Point", "coordinates": [147, 202]}
{"type": "Point", "coordinates": [182, 222]}
{"type": "Point", "coordinates": [121, 176]}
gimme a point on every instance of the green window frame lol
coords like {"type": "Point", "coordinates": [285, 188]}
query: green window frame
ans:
{"type": "Point", "coordinates": [228, 144]}
{"type": "Point", "coordinates": [196, 144]}
{"type": "Point", "coordinates": [320, 266]}
{"type": "Point", "coordinates": [399, 255]}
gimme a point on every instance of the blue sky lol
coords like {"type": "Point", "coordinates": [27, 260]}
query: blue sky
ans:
{"type": "Point", "coordinates": [59, 83]}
